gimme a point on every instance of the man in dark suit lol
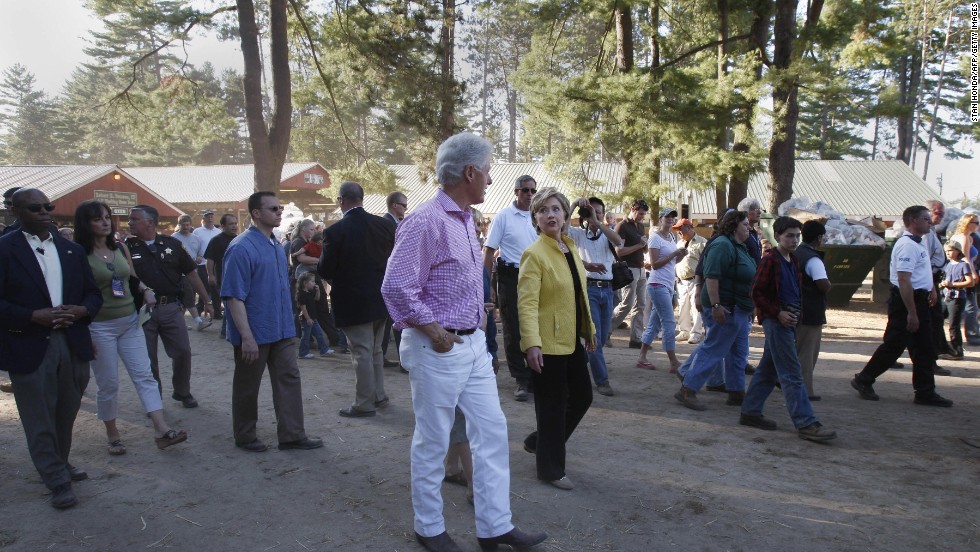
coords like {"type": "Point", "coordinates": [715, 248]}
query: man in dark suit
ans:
{"type": "Point", "coordinates": [48, 297]}
{"type": "Point", "coordinates": [355, 254]}
{"type": "Point", "coordinates": [5, 385]}
{"type": "Point", "coordinates": [397, 206]}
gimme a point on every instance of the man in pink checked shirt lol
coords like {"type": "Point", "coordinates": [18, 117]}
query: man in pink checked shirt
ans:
{"type": "Point", "coordinates": [433, 288]}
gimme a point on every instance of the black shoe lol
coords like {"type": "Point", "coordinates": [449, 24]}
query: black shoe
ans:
{"type": "Point", "coordinates": [439, 543]}
{"type": "Point", "coordinates": [865, 390]}
{"type": "Point", "coordinates": [63, 497]}
{"type": "Point", "coordinates": [301, 444]}
{"type": "Point", "coordinates": [187, 400]}
{"type": "Point", "coordinates": [254, 446]}
{"type": "Point", "coordinates": [932, 399]}
{"type": "Point", "coordinates": [940, 371]}
{"type": "Point", "coordinates": [715, 388]}
{"type": "Point", "coordinates": [350, 412]}
{"type": "Point", "coordinates": [635, 344]}
{"type": "Point", "coordinates": [515, 538]}
{"type": "Point", "coordinates": [758, 421]}
{"type": "Point", "coordinates": [391, 363]}
{"type": "Point", "coordinates": [897, 366]}
{"type": "Point", "coordinates": [382, 403]}
{"type": "Point", "coordinates": [749, 369]}
{"type": "Point", "coordinates": [76, 474]}
{"type": "Point", "coordinates": [531, 443]}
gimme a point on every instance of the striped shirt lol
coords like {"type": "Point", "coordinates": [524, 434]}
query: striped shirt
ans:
{"type": "Point", "coordinates": [435, 272]}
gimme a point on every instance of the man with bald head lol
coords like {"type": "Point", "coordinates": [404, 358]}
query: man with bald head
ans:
{"type": "Point", "coordinates": [48, 297]}
{"type": "Point", "coordinates": [355, 253]}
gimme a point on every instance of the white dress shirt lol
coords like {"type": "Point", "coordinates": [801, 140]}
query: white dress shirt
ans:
{"type": "Point", "coordinates": [50, 262]}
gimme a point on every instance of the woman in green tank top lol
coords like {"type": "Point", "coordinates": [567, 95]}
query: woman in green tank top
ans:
{"type": "Point", "coordinates": [116, 332]}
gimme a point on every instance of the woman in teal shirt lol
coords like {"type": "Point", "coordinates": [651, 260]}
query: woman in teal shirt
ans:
{"type": "Point", "coordinates": [727, 309]}
{"type": "Point", "coordinates": [116, 332]}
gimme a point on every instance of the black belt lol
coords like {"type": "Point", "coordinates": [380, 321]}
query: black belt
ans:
{"type": "Point", "coordinates": [598, 283]}
{"type": "Point", "coordinates": [166, 299]}
{"type": "Point", "coordinates": [505, 264]}
{"type": "Point", "coordinates": [460, 332]}
{"type": "Point", "coordinates": [918, 294]}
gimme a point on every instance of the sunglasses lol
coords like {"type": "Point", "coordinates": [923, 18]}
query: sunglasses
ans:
{"type": "Point", "coordinates": [404, 205]}
{"type": "Point", "coordinates": [527, 190]}
{"type": "Point", "coordinates": [37, 207]}
{"type": "Point", "coordinates": [275, 209]}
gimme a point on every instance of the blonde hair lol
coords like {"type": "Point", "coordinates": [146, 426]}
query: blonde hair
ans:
{"type": "Point", "coordinates": [964, 222]}
{"type": "Point", "coordinates": [543, 195]}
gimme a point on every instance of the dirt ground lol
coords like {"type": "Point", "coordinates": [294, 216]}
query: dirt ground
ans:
{"type": "Point", "coordinates": [649, 473]}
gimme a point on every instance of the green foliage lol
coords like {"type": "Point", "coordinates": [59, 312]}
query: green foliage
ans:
{"type": "Point", "coordinates": [30, 131]}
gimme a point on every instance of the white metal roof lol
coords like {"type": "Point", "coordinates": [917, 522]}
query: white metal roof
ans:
{"type": "Point", "coordinates": [207, 183]}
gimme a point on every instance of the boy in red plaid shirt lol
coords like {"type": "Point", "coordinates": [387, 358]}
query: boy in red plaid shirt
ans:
{"type": "Point", "coordinates": [776, 293]}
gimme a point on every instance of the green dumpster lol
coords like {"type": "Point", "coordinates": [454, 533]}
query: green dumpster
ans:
{"type": "Point", "coordinates": [847, 265]}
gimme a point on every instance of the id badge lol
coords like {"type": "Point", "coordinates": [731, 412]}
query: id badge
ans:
{"type": "Point", "coordinates": [117, 287]}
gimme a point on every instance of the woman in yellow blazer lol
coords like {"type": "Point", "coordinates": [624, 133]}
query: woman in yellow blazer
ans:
{"type": "Point", "coordinates": [554, 315]}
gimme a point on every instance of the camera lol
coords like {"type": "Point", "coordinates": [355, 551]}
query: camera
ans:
{"type": "Point", "coordinates": [585, 213]}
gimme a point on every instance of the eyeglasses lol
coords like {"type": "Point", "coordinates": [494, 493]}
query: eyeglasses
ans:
{"type": "Point", "coordinates": [527, 190]}
{"type": "Point", "coordinates": [37, 207]}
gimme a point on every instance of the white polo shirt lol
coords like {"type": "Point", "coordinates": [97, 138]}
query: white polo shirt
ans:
{"type": "Point", "coordinates": [912, 257]}
{"type": "Point", "coordinates": [511, 232]}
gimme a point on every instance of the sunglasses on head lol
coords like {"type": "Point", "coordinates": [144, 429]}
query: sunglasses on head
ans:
{"type": "Point", "coordinates": [37, 207]}
{"type": "Point", "coordinates": [528, 190]}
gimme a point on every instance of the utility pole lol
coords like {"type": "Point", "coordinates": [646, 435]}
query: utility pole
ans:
{"type": "Point", "coordinates": [939, 183]}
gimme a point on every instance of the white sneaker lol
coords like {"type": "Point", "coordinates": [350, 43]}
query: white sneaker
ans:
{"type": "Point", "coordinates": [695, 339]}
{"type": "Point", "coordinates": [682, 336]}
{"type": "Point", "coordinates": [307, 356]}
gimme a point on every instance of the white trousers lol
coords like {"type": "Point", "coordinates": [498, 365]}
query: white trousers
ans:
{"type": "Point", "coordinates": [689, 315]}
{"type": "Point", "coordinates": [121, 338]}
{"type": "Point", "coordinates": [441, 381]}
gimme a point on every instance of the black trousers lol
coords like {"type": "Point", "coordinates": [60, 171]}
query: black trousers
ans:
{"type": "Point", "coordinates": [213, 293]}
{"type": "Point", "coordinates": [389, 331]}
{"type": "Point", "coordinates": [47, 402]}
{"type": "Point", "coordinates": [562, 396]}
{"type": "Point", "coordinates": [955, 308]}
{"type": "Point", "coordinates": [507, 301]}
{"type": "Point", "coordinates": [898, 338]}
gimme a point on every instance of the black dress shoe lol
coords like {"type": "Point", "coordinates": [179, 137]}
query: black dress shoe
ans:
{"type": "Point", "coordinates": [749, 369]}
{"type": "Point", "coordinates": [187, 400]}
{"type": "Point", "coordinates": [351, 412]}
{"type": "Point", "coordinates": [635, 344]}
{"type": "Point", "coordinates": [940, 371]}
{"type": "Point", "coordinates": [439, 543]}
{"type": "Point", "coordinates": [254, 446]}
{"type": "Point", "coordinates": [932, 399]}
{"type": "Point", "coordinates": [63, 497]}
{"type": "Point", "coordinates": [76, 474]}
{"type": "Point", "coordinates": [515, 538]}
{"type": "Point", "coordinates": [390, 363]}
{"type": "Point", "coordinates": [864, 390]}
{"type": "Point", "coordinates": [301, 444]}
{"type": "Point", "coordinates": [715, 388]}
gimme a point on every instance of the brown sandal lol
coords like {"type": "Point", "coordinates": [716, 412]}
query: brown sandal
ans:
{"type": "Point", "coordinates": [117, 448]}
{"type": "Point", "coordinates": [171, 438]}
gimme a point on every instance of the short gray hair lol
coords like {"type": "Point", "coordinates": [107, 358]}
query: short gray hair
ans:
{"type": "Point", "coordinates": [458, 152]}
{"type": "Point", "coordinates": [748, 204]}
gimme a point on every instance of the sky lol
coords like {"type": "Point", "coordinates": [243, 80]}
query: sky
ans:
{"type": "Point", "coordinates": [47, 36]}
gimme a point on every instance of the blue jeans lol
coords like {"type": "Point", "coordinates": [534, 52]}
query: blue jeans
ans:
{"type": "Point", "coordinates": [970, 315]}
{"type": "Point", "coordinates": [314, 330]}
{"type": "Point", "coordinates": [723, 345]}
{"type": "Point", "coordinates": [661, 316]}
{"type": "Point", "coordinates": [601, 304]}
{"type": "Point", "coordinates": [779, 360]}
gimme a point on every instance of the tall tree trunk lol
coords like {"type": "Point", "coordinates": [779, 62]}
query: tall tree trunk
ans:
{"type": "Point", "coordinates": [447, 39]}
{"type": "Point", "coordinates": [269, 145]}
{"type": "Point", "coordinates": [921, 88]}
{"type": "Point", "coordinates": [939, 93]}
{"type": "Point", "coordinates": [511, 125]}
{"type": "Point", "coordinates": [624, 39]}
{"type": "Point", "coordinates": [738, 186]}
{"type": "Point", "coordinates": [724, 125]}
{"type": "Point", "coordinates": [908, 79]}
{"type": "Point", "coordinates": [786, 107]}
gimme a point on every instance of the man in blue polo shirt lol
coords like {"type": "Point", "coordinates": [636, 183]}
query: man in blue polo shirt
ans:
{"type": "Point", "coordinates": [255, 286]}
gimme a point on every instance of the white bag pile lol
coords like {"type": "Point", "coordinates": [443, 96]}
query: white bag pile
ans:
{"type": "Point", "coordinates": [839, 230]}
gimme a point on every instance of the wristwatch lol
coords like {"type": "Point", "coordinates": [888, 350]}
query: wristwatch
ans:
{"type": "Point", "coordinates": [716, 305]}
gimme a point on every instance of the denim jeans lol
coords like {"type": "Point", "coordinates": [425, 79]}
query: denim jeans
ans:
{"type": "Point", "coordinates": [970, 322]}
{"type": "Point", "coordinates": [723, 346]}
{"type": "Point", "coordinates": [661, 316]}
{"type": "Point", "coordinates": [779, 361]}
{"type": "Point", "coordinates": [314, 330]}
{"type": "Point", "coordinates": [601, 303]}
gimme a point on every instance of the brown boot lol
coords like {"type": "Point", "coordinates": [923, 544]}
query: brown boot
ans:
{"type": "Point", "coordinates": [735, 398]}
{"type": "Point", "coordinates": [689, 399]}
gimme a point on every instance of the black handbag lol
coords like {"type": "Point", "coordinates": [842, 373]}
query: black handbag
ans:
{"type": "Point", "coordinates": [622, 275]}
